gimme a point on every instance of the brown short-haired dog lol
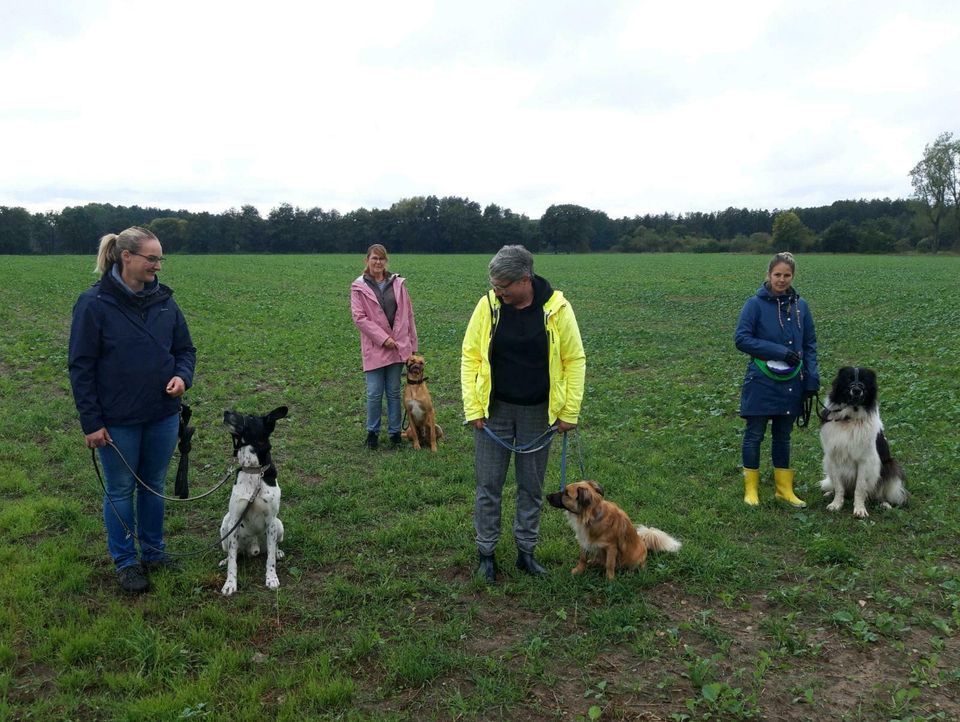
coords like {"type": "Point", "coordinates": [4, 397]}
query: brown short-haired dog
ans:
{"type": "Point", "coordinates": [423, 428]}
{"type": "Point", "coordinates": [604, 531]}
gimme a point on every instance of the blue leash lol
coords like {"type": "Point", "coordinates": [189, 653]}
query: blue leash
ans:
{"type": "Point", "coordinates": [530, 447]}
{"type": "Point", "coordinates": [539, 443]}
{"type": "Point", "coordinates": [563, 463]}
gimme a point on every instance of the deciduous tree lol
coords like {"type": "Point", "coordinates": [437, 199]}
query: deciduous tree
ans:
{"type": "Point", "coordinates": [932, 178]}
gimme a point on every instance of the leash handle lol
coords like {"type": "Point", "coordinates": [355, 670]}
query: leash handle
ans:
{"type": "Point", "coordinates": [806, 410]}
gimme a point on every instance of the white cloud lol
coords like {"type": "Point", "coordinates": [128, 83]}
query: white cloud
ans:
{"type": "Point", "coordinates": [624, 107]}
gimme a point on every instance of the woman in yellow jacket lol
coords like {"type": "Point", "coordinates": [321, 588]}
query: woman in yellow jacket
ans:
{"type": "Point", "coordinates": [521, 371]}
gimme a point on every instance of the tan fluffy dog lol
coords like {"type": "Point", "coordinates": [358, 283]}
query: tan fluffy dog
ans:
{"type": "Point", "coordinates": [604, 531]}
{"type": "Point", "coordinates": [423, 427]}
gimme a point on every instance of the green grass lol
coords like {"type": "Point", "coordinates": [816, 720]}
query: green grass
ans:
{"type": "Point", "coordinates": [770, 613]}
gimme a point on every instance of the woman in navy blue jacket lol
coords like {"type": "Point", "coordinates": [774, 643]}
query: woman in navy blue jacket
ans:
{"type": "Point", "coordinates": [776, 330]}
{"type": "Point", "coordinates": [131, 359]}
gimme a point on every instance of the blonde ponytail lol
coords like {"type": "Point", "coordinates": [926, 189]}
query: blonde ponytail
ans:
{"type": "Point", "coordinates": [113, 244]}
{"type": "Point", "coordinates": [108, 253]}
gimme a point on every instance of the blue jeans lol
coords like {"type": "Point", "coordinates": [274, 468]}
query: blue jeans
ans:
{"type": "Point", "coordinates": [147, 449]}
{"type": "Point", "coordinates": [780, 429]}
{"type": "Point", "coordinates": [386, 378]}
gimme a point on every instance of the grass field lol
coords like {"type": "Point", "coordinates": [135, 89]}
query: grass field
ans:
{"type": "Point", "coordinates": [770, 613]}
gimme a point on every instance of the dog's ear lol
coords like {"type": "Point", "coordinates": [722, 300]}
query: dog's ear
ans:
{"type": "Point", "coordinates": [584, 498]}
{"type": "Point", "coordinates": [596, 487]}
{"type": "Point", "coordinates": [278, 413]}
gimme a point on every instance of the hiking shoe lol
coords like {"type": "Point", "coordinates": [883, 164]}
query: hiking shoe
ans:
{"type": "Point", "coordinates": [164, 563]}
{"type": "Point", "coordinates": [133, 580]}
{"type": "Point", "coordinates": [395, 440]}
{"type": "Point", "coordinates": [372, 440]}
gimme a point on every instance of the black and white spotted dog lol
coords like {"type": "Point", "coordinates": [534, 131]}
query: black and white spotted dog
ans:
{"type": "Point", "coordinates": [255, 499]}
{"type": "Point", "coordinates": [856, 455]}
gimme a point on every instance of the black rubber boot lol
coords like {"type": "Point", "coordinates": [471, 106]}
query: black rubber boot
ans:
{"type": "Point", "coordinates": [526, 563]}
{"type": "Point", "coordinates": [395, 440]}
{"type": "Point", "coordinates": [487, 568]}
{"type": "Point", "coordinates": [373, 439]}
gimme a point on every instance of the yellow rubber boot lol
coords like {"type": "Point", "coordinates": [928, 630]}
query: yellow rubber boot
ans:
{"type": "Point", "coordinates": [783, 481]}
{"type": "Point", "coordinates": [751, 486]}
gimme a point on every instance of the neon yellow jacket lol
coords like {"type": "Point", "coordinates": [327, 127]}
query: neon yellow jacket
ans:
{"type": "Point", "coordinates": [567, 363]}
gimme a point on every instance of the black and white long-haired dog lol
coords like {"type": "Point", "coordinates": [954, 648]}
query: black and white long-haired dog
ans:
{"type": "Point", "coordinates": [856, 455]}
{"type": "Point", "coordinates": [255, 500]}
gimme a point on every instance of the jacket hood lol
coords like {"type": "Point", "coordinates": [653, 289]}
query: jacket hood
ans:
{"type": "Point", "coordinates": [110, 286]}
{"type": "Point", "coordinates": [765, 294]}
{"type": "Point", "coordinates": [541, 290]}
{"type": "Point", "coordinates": [360, 282]}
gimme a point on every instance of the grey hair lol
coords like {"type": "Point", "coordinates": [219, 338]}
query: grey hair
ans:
{"type": "Point", "coordinates": [782, 257]}
{"type": "Point", "coordinates": [113, 244]}
{"type": "Point", "coordinates": [512, 263]}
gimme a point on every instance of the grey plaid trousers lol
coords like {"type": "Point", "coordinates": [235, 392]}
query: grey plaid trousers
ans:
{"type": "Point", "coordinates": [515, 425]}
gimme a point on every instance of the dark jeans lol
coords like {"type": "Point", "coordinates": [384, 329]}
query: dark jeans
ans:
{"type": "Point", "coordinates": [147, 448]}
{"type": "Point", "coordinates": [781, 427]}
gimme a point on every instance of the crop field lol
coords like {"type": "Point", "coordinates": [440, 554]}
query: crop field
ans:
{"type": "Point", "coordinates": [769, 613]}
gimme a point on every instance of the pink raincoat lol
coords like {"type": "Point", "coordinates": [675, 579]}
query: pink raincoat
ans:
{"type": "Point", "coordinates": [374, 329]}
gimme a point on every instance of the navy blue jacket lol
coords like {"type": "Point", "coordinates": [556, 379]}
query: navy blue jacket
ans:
{"type": "Point", "coordinates": [123, 352]}
{"type": "Point", "coordinates": [769, 327]}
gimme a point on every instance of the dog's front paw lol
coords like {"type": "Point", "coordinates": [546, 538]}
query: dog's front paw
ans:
{"type": "Point", "coordinates": [860, 512]}
{"type": "Point", "coordinates": [279, 553]}
{"type": "Point", "coordinates": [273, 582]}
{"type": "Point", "coordinates": [579, 569]}
{"type": "Point", "coordinates": [229, 588]}
{"type": "Point", "coordinates": [835, 505]}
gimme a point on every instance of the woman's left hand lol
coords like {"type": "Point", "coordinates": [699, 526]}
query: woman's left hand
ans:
{"type": "Point", "coordinates": [176, 387]}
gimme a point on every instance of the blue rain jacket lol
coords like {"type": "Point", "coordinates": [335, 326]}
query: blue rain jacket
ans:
{"type": "Point", "coordinates": [123, 351]}
{"type": "Point", "coordinates": [768, 328]}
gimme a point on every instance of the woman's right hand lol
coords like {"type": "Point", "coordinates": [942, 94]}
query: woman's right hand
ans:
{"type": "Point", "coordinates": [98, 439]}
{"type": "Point", "coordinates": [390, 343]}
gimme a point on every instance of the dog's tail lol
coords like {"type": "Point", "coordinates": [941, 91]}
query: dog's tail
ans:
{"type": "Point", "coordinates": [658, 541]}
{"type": "Point", "coordinates": [892, 490]}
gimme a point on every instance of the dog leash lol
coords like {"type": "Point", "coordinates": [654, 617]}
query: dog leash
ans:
{"type": "Point", "coordinates": [130, 532]}
{"type": "Point", "coordinates": [563, 459]}
{"type": "Point", "coordinates": [157, 493]}
{"type": "Point", "coordinates": [541, 442]}
{"type": "Point", "coordinates": [807, 410]}
{"type": "Point", "coordinates": [530, 447]}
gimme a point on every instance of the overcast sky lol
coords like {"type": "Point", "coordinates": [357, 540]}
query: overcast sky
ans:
{"type": "Point", "coordinates": [624, 107]}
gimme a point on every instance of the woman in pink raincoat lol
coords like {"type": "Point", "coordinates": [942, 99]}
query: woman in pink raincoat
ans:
{"type": "Point", "coordinates": [388, 336]}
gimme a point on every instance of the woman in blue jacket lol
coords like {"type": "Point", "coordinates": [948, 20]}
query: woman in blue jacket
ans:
{"type": "Point", "coordinates": [131, 359]}
{"type": "Point", "coordinates": [776, 330]}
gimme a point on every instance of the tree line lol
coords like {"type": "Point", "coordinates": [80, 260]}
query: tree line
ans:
{"type": "Point", "coordinates": [927, 222]}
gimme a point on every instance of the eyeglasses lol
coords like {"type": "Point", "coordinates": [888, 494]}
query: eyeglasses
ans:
{"type": "Point", "coordinates": [500, 289]}
{"type": "Point", "coordinates": [149, 259]}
